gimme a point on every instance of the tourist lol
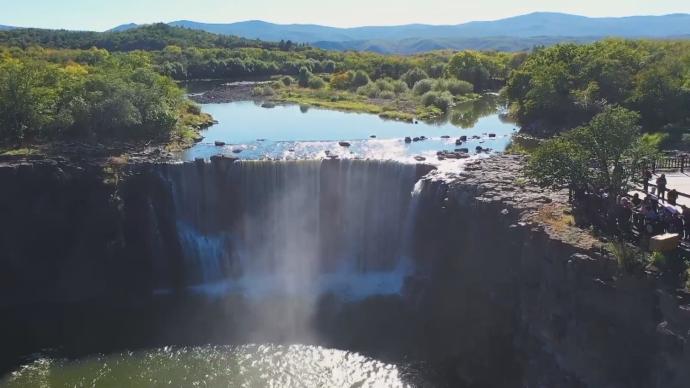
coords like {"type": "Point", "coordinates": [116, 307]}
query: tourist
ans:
{"type": "Point", "coordinates": [661, 186]}
{"type": "Point", "coordinates": [646, 177]}
{"type": "Point", "coordinates": [636, 200]}
{"type": "Point", "coordinates": [672, 196]}
{"type": "Point", "coordinates": [686, 221]}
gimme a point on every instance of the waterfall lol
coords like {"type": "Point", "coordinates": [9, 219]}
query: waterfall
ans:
{"type": "Point", "coordinates": [295, 226]}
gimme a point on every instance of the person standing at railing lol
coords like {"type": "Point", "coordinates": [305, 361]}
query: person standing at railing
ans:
{"type": "Point", "coordinates": [661, 186]}
{"type": "Point", "coordinates": [646, 177]}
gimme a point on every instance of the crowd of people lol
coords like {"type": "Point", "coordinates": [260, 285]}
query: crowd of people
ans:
{"type": "Point", "coordinates": [657, 213]}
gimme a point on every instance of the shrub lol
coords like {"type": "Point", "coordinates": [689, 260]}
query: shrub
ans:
{"type": "Point", "coordinates": [316, 83]}
{"type": "Point", "coordinates": [263, 91]}
{"type": "Point", "coordinates": [360, 78]}
{"type": "Point", "coordinates": [399, 87]}
{"type": "Point", "coordinates": [627, 256]}
{"type": "Point", "coordinates": [658, 259]}
{"type": "Point", "coordinates": [423, 86]}
{"type": "Point", "coordinates": [304, 76]}
{"type": "Point", "coordinates": [458, 87]}
{"type": "Point", "coordinates": [287, 80]}
{"type": "Point", "coordinates": [387, 94]}
{"type": "Point", "coordinates": [370, 90]}
{"type": "Point", "coordinates": [413, 76]}
{"type": "Point", "coordinates": [442, 101]}
{"type": "Point", "coordinates": [342, 81]}
{"type": "Point", "coordinates": [384, 86]}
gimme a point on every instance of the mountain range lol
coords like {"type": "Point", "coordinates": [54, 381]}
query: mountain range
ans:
{"type": "Point", "coordinates": [524, 26]}
{"type": "Point", "coordinates": [512, 34]}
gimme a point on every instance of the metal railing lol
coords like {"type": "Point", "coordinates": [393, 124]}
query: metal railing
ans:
{"type": "Point", "coordinates": [680, 162]}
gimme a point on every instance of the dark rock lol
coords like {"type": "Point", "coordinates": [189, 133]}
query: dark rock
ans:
{"type": "Point", "coordinates": [219, 143]}
{"type": "Point", "coordinates": [343, 144]}
{"type": "Point", "coordinates": [408, 139]}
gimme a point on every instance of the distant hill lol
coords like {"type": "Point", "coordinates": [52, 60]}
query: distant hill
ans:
{"type": "Point", "coordinates": [412, 45]}
{"type": "Point", "coordinates": [514, 33]}
{"type": "Point", "coordinates": [524, 26]}
{"type": "Point", "coordinates": [149, 37]}
{"type": "Point", "coordinates": [3, 28]}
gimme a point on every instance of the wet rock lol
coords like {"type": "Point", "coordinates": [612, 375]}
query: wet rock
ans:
{"type": "Point", "coordinates": [408, 139]}
{"type": "Point", "coordinates": [219, 143]}
{"type": "Point", "coordinates": [445, 137]}
{"type": "Point", "coordinates": [415, 139]}
{"type": "Point", "coordinates": [462, 138]}
{"type": "Point", "coordinates": [268, 105]}
{"type": "Point", "coordinates": [372, 136]}
{"type": "Point", "coordinates": [344, 144]}
{"type": "Point", "coordinates": [419, 158]}
{"type": "Point", "coordinates": [458, 142]}
{"type": "Point", "coordinates": [237, 150]}
{"type": "Point", "coordinates": [492, 135]}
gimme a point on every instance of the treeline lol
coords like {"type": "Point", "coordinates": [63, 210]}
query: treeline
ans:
{"type": "Point", "coordinates": [564, 86]}
{"type": "Point", "coordinates": [149, 37]}
{"type": "Point", "coordinates": [104, 97]}
{"type": "Point", "coordinates": [186, 54]}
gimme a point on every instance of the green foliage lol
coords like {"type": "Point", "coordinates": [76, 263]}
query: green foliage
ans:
{"type": "Point", "coordinates": [287, 80]}
{"type": "Point", "coordinates": [423, 86]}
{"type": "Point", "coordinates": [627, 256]}
{"type": "Point", "coordinates": [370, 90]}
{"type": "Point", "coordinates": [566, 85]}
{"type": "Point", "coordinates": [455, 87]}
{"type": "Point", "coordinates": [316, 83]}
{"type": "Point", "coordinates": [399, 87]}
{"type": "Point", "coordinates": [387, 95]}
{"type": "Point", "coordinates": [479, 68]}
{"type": "Point", "coordinates": [658, 259]}
{"type": "Point", "coordinates": [263, 91]}
{"type": "Point", "coordinates": [117, 97]}
{"type": "Point", "coordinates": [442, 100]}
{"type": "Point", "coordinates": [360, 78]}
{"type": "Point", "coordinates": [304, 76]}
{"type": "Point", "coordinates": [414, 75]}
{"type": "Point", "coordinates": [604, 154]}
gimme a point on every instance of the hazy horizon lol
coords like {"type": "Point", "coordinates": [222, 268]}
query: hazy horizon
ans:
{"type": "Point", "coordinates": [100, 15]}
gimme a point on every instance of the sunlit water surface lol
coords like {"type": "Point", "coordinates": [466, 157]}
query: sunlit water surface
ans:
{"type": "Point", "coordinates": [298, 132]}
{"type": "Point", "coordinates": [213, 366]}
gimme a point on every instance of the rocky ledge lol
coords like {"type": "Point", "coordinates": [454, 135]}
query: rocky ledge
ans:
{"type": "Point", "coordinates": [517, 267]}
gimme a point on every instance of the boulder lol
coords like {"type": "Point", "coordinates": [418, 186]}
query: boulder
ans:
{"type": "Point", "coordinates": [219, 143]}
{"type": "Point", "coordinates": [408, 139]}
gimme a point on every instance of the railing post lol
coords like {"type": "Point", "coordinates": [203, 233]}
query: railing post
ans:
{"type": "Point", "coordinates": [682, 163]}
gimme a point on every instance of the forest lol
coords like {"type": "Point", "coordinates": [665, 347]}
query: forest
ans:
{"type": "Point", "coordinates": [564, 86]}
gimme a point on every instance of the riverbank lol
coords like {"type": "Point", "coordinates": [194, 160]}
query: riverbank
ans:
{"type": "Point", "coordinates": [191, 122]}
{"type": "Point", "coordinates": [403, 107]}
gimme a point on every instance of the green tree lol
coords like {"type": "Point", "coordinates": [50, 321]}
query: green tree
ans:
{"type": "Point", "coordinates": [469, 66]}
{"type": "Point", "coordinates": [605, 153]}
{"type": "Point", "coordinates": [413, 75]}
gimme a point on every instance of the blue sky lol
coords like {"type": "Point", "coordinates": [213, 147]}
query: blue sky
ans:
{"type": "Point", "coordinates": [101, 14]}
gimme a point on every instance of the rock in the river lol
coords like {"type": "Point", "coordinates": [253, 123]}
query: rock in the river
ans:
{"type": "Point", "coordinates": [219, 143]}
{"type": "Point", "coordinates": [419, 158]}
{"type": "Point", "coordinates": [344, 144]}
{"type": "Point", "coordinates": [408, 139]}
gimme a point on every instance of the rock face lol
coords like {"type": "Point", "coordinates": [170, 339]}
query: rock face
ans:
{"type": "Point", "coordinates": [537, 299]}
{"type": "Point", "coordinates": [502, 293]}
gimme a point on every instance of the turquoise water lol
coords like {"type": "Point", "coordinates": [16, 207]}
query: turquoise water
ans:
{"type": "Point", "coordinates": [292, 131]}
{"type": "Point", "coordinates": [212, 366]}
